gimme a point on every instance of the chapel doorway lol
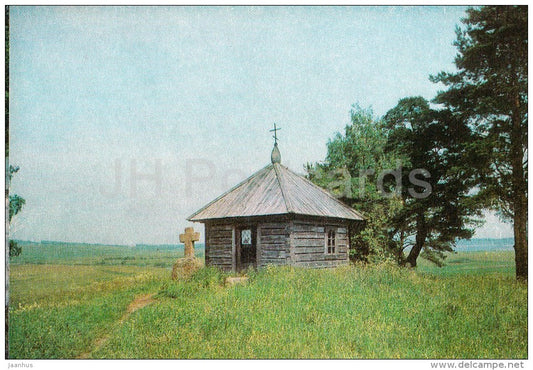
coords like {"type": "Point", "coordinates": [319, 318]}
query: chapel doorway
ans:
{"type": "Point", "coordinates": [246, 248]}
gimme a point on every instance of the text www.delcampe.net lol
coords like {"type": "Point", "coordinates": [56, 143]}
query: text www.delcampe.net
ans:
{"type": "Point", "coordinates": [477, 365]}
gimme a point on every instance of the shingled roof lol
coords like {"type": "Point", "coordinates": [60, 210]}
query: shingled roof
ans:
{"type": "Point", "coordinates": [275, 190]}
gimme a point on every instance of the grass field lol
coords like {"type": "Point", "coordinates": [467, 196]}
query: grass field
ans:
{"type": "Point", "coordinates": [62, 308]}
{"type": "Point", "coordinates": [90, 254]}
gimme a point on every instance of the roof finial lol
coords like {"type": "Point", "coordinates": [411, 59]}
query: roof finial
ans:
{"type": "Point", "coordinates": [275, 129]}
{"type": "Point", "coordinates": [275, 157]}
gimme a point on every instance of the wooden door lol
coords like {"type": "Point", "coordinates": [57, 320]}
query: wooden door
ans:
{"type": "Point", "coordinates": [246, 248]}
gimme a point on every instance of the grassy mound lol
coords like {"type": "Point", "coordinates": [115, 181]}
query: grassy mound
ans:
{"type": "Point", "coordinates": [203, 279]}
{"type": "Point", "coordinates": [184, 268]}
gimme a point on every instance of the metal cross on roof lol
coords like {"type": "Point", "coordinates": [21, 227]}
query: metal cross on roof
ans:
{"type": "Point", "coordinates": [275, 129]}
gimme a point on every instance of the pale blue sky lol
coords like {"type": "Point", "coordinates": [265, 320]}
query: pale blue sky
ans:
{"type": "Point", "coordinates": [104, 95]}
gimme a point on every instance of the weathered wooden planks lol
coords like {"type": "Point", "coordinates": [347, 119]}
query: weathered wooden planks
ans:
{"type": "Point", "coordinates": [273, 239]}
{"type": "Point", "coordinates": [308, 244]}
{"type": "Point", "coordinates": [298, 242]}
{"type": "Point", "coordinates": [321, 264]}
{"type": "Point", "coordinates": [218, 246]}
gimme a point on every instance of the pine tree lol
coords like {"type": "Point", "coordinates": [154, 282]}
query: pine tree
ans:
{"type": "Point", "coordinates": [441, 209]}
{"type": "Point", "coordinates": [489, 92]}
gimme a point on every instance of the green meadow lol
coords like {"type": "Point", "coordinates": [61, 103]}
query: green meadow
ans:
{"type": "Point", "coordinates": [75, 303]}
{"type": "Point", "coordinates": [95, 254]}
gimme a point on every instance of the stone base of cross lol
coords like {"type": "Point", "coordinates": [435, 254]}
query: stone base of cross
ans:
{"type": "Point", "coordinates": [188, 238]}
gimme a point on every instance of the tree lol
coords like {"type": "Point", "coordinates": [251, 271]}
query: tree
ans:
{"type": "Point", "coordinates": [489, 92]}
{"type": "Point", "coordinates": [16, 203]}
{"type": "Point", "coordinates": [353, 163]}
{"type": "Point", "coordinates": [436, 182]}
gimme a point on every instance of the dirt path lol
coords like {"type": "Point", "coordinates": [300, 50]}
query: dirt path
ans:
{"type": "Point", "coordinates": [138, 303]}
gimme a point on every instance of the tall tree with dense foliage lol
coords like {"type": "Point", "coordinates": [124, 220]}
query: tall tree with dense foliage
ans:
{"type": "Point", "coordinates": [435, 186]}
{"type": "Point", "coordinates": [489, 92]}
{"type": "Point", "coordinates": [353, 163]}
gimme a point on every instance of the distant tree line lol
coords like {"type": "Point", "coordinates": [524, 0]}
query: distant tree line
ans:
{"type": "Point", "coordinates": [424, 172]}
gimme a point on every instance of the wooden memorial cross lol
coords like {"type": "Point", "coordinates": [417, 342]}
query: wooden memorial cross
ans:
{"type": "Point", "coordinates": [275, 130]}
{"type": "Point", "coordinates": [188, 239]}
